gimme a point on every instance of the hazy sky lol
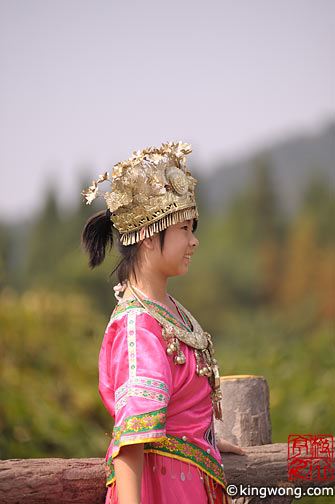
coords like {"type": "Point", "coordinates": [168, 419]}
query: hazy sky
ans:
{"type": "Point", "coordinates": [89, 81]}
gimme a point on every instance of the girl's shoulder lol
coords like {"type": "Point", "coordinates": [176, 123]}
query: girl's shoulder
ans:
{"type": "Point", "coordinates": [130, 315]}
{"type": "Point", "coordinates": [125, 307]}
{"type": "Point", "coordinates": [133, 308]}
{"type": "Point", "coordinates": [130, 323]}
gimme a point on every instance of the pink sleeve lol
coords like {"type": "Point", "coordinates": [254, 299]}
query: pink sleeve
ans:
{"type": "Point", "coordinates": [135, 379]}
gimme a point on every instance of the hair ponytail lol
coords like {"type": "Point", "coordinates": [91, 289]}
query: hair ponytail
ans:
{"type": "Point", "coordinates": [97, 235]}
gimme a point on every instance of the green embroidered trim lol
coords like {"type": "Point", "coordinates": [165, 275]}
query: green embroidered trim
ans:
{"type": "Point", "coordinates": [186, 320]}
{"type": "Point", "coordinates": [110, 471]}
{"type": "Point", "coordinates": [135, 427]}
{"type": "Point", "coordinates": [133, 303]}
{"type": "Point", "coordinates": [142, 386]}
{"type": "Point", "coordinates": [141, 381]}
{"type": "Point", "coordinates": [138, 392]}
{"type": "Point", "coordinates": [177, 448]}
{"type": "Point", "coordinates": [182, 450]}
{"type": "Point", "coordinates": [168, 315]}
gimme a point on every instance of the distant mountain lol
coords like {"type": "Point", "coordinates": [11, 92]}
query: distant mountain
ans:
{"type": "Point", "coordinates": [293, 163]}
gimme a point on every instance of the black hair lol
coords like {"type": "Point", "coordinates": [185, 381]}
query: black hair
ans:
{"type": "Point", "coordinates": [99, 236]}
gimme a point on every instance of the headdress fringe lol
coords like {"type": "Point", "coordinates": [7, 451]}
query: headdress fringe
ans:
{"type": "Point", "coordinates": [160, 225]}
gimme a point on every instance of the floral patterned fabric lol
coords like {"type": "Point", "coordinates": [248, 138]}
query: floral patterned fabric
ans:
{"type": "Point", "coordinates": [163, 405]}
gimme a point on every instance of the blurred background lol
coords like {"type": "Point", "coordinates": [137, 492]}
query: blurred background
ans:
{"type": "Point", "coordinates": [251, 86]}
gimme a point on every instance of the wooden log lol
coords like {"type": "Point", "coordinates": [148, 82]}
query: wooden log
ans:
{"type": "Point", "coordinates": [246, 410]}
{"type": "Point", "coordinates": [61, 481]}
{"type": "Point", "coordinates": [246, 415]}
{"type": "Point", "coordinates": [82, 481]}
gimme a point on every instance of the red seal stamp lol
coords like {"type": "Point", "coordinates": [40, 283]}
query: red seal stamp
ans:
{"type": "Point", "coordinates": [310, 457]}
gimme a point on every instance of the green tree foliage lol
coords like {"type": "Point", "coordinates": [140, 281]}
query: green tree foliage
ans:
{"type": "Point", "coordinates": [49, 404]}
{"type": "Point", "coordinates": [44, 245]}
{"type": "Point", "coordinates": [5, 248]}
{"type": "Point", "coordinates": [319, 205]}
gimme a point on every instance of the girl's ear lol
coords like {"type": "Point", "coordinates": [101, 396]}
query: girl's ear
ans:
{"type": "Point", "coordinates": [149, 243]}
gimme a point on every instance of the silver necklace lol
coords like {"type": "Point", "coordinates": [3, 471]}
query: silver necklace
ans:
{"type": "Point", "coordinates": [199, 340]}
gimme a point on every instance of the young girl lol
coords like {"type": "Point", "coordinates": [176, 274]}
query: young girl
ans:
{"type": "Point", "coordinates": [158, 377]}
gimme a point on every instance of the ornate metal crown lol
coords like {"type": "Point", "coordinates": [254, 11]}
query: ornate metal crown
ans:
{"type": "Point", "coordinates": [149, 191]}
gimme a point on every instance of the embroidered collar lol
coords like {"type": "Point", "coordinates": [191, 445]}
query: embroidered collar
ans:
{"type": "Point", "coordinates": [159, 308]}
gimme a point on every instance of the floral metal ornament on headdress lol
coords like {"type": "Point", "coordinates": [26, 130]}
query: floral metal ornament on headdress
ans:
{"type": "Point", "coordinates": [149, 191]}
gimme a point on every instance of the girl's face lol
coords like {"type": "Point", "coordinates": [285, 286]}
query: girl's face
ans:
{"type": "Point", "coordinates": [179, 246]}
